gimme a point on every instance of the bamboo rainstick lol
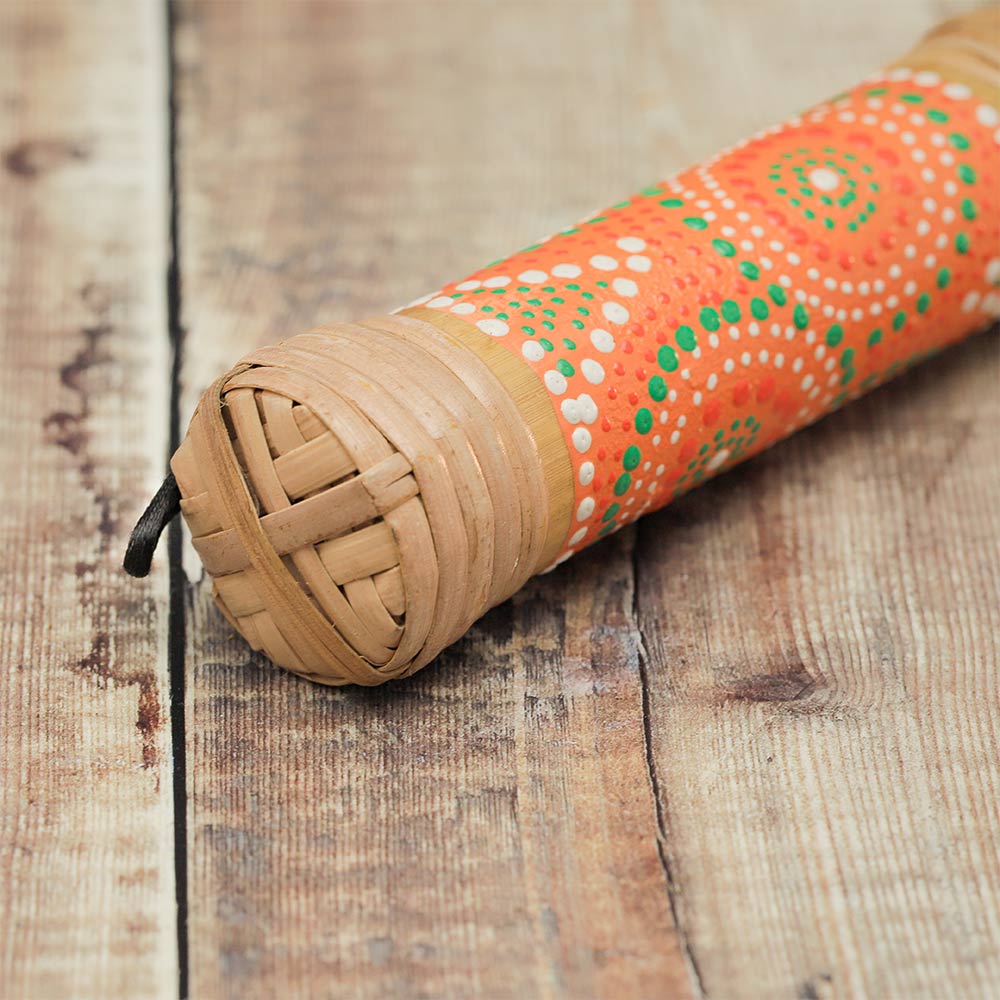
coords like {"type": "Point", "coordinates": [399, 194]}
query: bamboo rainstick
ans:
{"type": "Point", "coordinates": [362, 493]}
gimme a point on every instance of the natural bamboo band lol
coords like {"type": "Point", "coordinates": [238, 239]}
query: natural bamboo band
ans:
{"type": "Point", "coordinates": [361, 494]}
{"type": "Point", "coordinates": [964, 50]}
{"type": "Point", "coordinates": [524, 387]}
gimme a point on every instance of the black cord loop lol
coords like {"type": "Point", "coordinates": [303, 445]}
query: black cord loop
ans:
{"type": "Point", "coordinates": [162, 509]}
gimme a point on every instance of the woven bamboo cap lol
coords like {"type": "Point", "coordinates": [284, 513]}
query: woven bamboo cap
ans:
{"type": "Point", "coordinates": [361, 494]}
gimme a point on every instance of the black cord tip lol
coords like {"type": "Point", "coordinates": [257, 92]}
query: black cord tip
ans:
{"type": "Point", "coordinates": [162, 509]}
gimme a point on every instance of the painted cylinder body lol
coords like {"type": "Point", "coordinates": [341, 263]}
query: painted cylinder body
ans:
{"type": "Point", "coordinates": [712, 314]}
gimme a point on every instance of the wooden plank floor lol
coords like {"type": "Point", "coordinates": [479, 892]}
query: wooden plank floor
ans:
{"type": "Point", "coordinates": [748, 748]}
{"type": "Point", "coordinates": [86, 848]}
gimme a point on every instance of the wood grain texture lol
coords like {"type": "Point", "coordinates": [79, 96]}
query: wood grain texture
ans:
{"type": "Point", "coordinates": [86, 844]}
{"type": "Point", "coordinates": [744, 751]}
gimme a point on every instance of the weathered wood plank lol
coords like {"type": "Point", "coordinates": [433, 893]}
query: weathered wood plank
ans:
{"type": "Point", "coordinates": [822, 642]}
{"type": "Point", "coordinates": [488, 827]}
{"type": "Point", "coordinates": [86, 868]}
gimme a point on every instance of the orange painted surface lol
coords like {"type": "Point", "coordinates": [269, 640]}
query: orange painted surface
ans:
{"type": "Point", "coordinates": [712, 314]}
